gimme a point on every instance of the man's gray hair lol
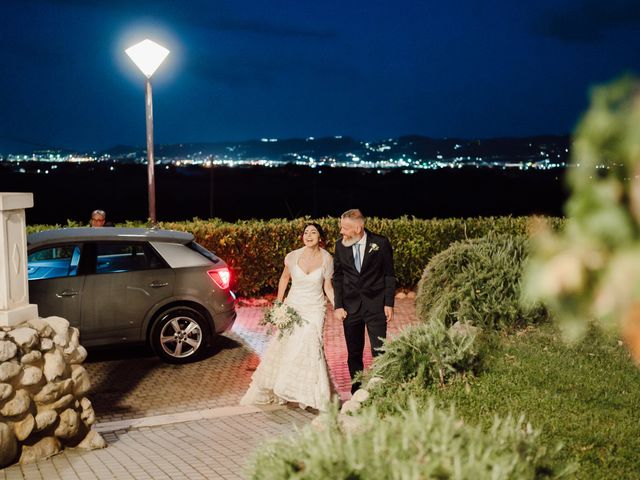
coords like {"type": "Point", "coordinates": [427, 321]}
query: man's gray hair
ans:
{"type": "Point", "coordinates": [353, 214]}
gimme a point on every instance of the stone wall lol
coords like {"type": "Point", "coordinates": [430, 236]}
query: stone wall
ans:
{"type": "Point", "coordinates": [43, 407]}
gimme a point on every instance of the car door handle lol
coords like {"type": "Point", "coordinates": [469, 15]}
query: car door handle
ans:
{"type": "Point", "coordinates": [66, 293]}
{"type": "Point", "coordinates": [158, 284]}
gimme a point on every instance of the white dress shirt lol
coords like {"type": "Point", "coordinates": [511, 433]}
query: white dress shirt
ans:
{"type": "Point", "coordinates": [362, 245]}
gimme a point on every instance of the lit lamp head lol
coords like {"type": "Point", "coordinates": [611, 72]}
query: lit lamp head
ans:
{"type": "Point", "coordinates": [147, 55]}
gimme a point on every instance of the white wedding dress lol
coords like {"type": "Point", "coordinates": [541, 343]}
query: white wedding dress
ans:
{"type": "Point", "coordinates": [293, 368]}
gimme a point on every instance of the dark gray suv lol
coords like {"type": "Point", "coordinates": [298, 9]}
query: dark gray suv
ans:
{"type": "Point", "coordinates": [119, 285]}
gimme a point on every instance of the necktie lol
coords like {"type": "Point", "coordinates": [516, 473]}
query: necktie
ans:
{"type": "Point", "coordinates": [356, 256]}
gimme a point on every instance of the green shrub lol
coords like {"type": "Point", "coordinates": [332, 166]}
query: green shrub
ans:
{"type": "Point", "coordinates": [429, 353]}
{"type": "Point", "coordinates": [255, 249]}
{"type": "Point", "coordinates": [478, 281]}
{"type": "Point", "coordinates": [417, 443]}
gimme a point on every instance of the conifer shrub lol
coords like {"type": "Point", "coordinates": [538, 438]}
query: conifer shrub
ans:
{"type": "Point", "coordinates": [427, 353]}
{"type": "Point", "coordinates": [415, 443]}
{"type": "Point", "coordinates": [478, 281]}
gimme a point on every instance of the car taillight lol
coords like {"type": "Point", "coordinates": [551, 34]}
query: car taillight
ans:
{"type": "Point", "coordinates": [221, 277]}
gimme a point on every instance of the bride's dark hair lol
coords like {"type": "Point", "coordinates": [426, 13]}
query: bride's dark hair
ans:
{"type": "Point", "coordinates": [321, 242]}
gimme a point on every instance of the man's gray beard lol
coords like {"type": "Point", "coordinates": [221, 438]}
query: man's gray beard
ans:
{"type": "Point", "coordinates": [351, 242]}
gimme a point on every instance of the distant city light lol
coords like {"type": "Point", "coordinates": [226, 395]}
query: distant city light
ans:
{"type": "Point", "coordinates": [407, 157]}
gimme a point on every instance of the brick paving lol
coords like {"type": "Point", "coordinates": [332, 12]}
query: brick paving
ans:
{"type": "Point", "coordinates": [133, 384]}
{"type": "Point", "coordinates": [141, 386]}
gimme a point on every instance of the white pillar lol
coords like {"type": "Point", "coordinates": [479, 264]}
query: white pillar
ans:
{"type": "Point", "coordinates": [14, 284]}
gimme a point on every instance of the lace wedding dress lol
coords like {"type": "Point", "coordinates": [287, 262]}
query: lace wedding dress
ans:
{"type": "Point", "coordinates": [293, 368]}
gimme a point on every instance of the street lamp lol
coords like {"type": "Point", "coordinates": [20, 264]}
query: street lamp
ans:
{"type": "Point", "coordinates": [148, 56]}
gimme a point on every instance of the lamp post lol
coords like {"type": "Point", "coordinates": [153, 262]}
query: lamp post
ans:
{"type": "Point", "coordinates": [148, 55]}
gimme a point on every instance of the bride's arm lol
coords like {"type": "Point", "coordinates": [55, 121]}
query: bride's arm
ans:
{"type": "Point", "coordinates": [328, 276]}
{"type": "Point", "coordinates": [328, 289]}
{"type": "Point", "coordinates": [283, 283]}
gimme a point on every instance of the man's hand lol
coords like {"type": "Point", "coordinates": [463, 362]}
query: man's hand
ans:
{"type": "Point", "coordinates": [388, 312]}
{"type": "Point", "coordinates": [340, 313]}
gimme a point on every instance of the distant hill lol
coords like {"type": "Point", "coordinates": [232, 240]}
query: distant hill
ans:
{"type": "Point", "coordinates": [23, 147]}
{"type": "Point", "coordinates": [344, 149]}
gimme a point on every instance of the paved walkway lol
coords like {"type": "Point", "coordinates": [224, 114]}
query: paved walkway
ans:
{"type": "Point", "coordinates": [183, 421]}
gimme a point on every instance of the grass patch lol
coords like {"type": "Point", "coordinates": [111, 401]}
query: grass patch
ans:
{"type": "Point", "coordinates": [586, 396]}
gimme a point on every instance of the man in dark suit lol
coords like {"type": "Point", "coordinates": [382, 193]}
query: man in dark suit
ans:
{"type": "Point", "coordinates": [364, 284]}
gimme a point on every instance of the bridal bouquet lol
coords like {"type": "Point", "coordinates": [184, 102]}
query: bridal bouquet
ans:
{"type": "Point", "coordinates": [282, 317]}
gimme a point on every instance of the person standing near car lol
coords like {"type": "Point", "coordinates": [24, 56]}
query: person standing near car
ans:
{"type": "Point", "coordinates": [99, 219]}
{"type": "Point", "coordinates": [364, 283]}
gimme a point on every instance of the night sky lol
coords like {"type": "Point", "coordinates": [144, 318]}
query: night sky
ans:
{"type": "Point", "coordinates": [249, 69]}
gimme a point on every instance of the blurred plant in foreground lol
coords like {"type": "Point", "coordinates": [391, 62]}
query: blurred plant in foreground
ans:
{"type": "Point", "coordinates": [590, 272]}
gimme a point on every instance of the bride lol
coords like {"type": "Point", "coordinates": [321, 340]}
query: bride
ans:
{"type": "Point", "coordinates": [293, 368]}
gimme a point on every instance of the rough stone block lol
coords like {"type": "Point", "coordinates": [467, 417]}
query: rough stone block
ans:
{"type": "Point", "coordinates": [8, 445]}
{"type": "Point", "coordinates": [350, 406]}
{"type": "Point", "coordinates": [74, 340]}
{"type": "Point", "coordinates": [69, 424]}
{"type": "Point", "coordinates": [53, 391]}
{"type": "Point", "coordinates": [5, 390]}
{"type": "Point", "coordinates": [62, 402]}
{"type": "Point", "coordinates": [30, 376]}
{"type": "Point", "coordinates": [45, 448]}
{"type": "Point", "coordinates": [46, 344]}
{"type": "Point", "coordinates": [17, 405]}
{"type": "Point", "coordinates": [8, 350]}
{"type": "Point", "coordinates": [54, 364]}
{"type": "Point", "coordinates": [373, 381]}
{"type": "Point", "coordinates": [76, 356]}
{"type": "Point", "coordinates": [59, 325]}
{"type": "Point", "coordinates": [85, 403]}
{"type": "Point", "coordinates": [8, 370]}
{"type": "Point", "coordinates": [25, 337]}
{"type": "Point", "coordinates": [24, 427]}
{"type": "Point", "coordinates": [92, 441]}
{"type": "Point", "coordinates": [361, 395]}
{"type": "Point", "coordinates": [81, 380]}
{"type": "Point", "coordinates": [88, 416]}
{"type": "Point", "coordinates": [34, 356]}
{"type": "Point", "coordinates": [45, 418]}
{"type": "Point", "coordinates": [40, 326]}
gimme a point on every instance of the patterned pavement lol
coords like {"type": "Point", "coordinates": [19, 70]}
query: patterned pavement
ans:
{"type": "Point", "coordinates": [132, 384]}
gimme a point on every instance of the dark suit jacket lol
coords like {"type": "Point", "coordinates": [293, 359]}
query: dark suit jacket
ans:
{"type": "Point", "coordinates": [374, 287]}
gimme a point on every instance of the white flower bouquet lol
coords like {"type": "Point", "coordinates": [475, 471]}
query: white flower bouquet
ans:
{"type": "Point", "coordinates": [281, 317]}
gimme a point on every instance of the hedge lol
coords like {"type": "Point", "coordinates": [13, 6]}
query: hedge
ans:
{"type": "Point", "coordinates": [255, 249]}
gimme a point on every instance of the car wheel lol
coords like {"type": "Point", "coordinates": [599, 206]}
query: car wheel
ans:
{"type": "Point", "coordinates": [179, 335]}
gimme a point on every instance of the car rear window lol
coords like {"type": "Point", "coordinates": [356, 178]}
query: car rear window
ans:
{"type": "Point", "coordinates": [203, 251]}
{"type": "Point", "coordinates": [179, 255]}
